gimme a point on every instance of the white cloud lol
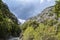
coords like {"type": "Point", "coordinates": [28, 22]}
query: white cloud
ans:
{"type": "Point", "coordinates": [21, 21]}
{"type": "Point", "coordinates": [49, 0]}
{"type": "Point", "coordinates": [30, 1]}
{"type": "Point", "coordinates": [41, 1]}
{"type": "Point", "coordinates": [27, 1]}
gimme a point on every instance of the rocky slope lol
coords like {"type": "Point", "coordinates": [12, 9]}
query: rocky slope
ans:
{"type": "Point", "coordinates": [44, 26]}
{"type": "Point", "coordinates": [46, 16]}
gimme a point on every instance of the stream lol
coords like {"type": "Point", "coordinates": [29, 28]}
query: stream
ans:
{"type": "Point", "coordinates": [14, 38]}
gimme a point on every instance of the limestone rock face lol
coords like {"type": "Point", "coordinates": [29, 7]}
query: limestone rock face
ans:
{"type": "Point", "coordinates": [46, 15]}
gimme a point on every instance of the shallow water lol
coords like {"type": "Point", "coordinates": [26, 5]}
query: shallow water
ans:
{"type": "Point", "coordinates": [14, 38]}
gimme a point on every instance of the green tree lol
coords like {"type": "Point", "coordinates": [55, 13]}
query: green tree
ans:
{"type": "Point", "coordinates": [28, 34]}
{"type": "Point", "coordinates": [57, 8]}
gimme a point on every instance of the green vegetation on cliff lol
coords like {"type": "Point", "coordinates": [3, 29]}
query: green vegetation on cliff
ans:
{"type": "Point", "coordinates": [45, 26]}
{"type": "Point", "coordinates": [8, 22]}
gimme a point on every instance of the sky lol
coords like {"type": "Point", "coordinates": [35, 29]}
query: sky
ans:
{"type": "Point", "coordinates": [24, 9]}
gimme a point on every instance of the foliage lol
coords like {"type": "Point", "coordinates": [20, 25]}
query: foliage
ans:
{"type": "Point", "coordinates": [8, 22]}
{"type": "Point", "coordinates": [28, 34]}
{"type": "Point", "coordinates": [42, 32]}
{"type": "Point", "coordinates": [57, 8]}
{"type": "Point", "coordinates": [48, 30]}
